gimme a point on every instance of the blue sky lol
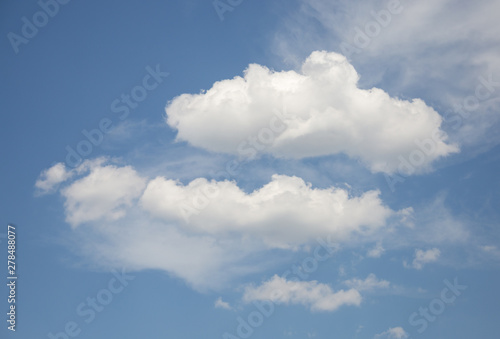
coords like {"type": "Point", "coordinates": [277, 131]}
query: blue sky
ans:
{"type": "Point", "coordinates": [251, 169]}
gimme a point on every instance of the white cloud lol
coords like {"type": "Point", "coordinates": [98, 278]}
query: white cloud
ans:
{"type": "Point", "coordinates": [284, 212]}
{"type": "Point", "coordinates": [393, 333]}
{"type": "Point", "coordinates": [376, 252]}
{"type": "Point", "coordinates": [219, 303]}
{"type": "Point", "coordinates": [325, 113]}
{"type": "Point", "coordinates": [231, 235]}
{"type": "Point", "coordinates": [311, 294]}
{"type": "Point", "coordinates": [370, 283]}
{"type": "Point", "coordinates": [423, 257]}
{"type": "Point", "coordinates": [49, 179]}
{"type": "Point", "coordinates": [105, 193]}
{"type": "Point", "coordinates": [135, 223]}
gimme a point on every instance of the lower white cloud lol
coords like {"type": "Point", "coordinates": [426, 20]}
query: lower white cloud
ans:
{"type": "Point", "coordinates": [204, 263]}
{"type": "Point", "coordinates": [311, 294]}
{"type": "Point", "coordinates": [125, 219]}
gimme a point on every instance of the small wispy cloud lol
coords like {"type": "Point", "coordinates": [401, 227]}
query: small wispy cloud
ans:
{"type": "Point", "coordinates": [370, 283]}
{"type": "Point", "coordinates": [376, 252]}
{"type": "Point", "coordinates": [219, 303]}
{"type": "Point", "coordinates": [51, 178]}
{"type": "Point", "coordinates": [314, 295]}
{"type": "Point", "coordinates": [423, 257]}
{"type": "Point", "coordinates": [392, 333]}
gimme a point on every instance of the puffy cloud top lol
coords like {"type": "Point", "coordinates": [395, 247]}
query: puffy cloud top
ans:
{"type": "Point", "coordinates": [284, 212]}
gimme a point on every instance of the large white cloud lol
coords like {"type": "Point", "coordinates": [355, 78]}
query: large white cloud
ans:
{"type": "Point", "coordinates": [284, 212]}
{"type": "Point", "coordinates": [317, 111]}
{"type": "Point", "coordinates": [311, 294]}
{"type": "Point", "coordinates": [128, 220]}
